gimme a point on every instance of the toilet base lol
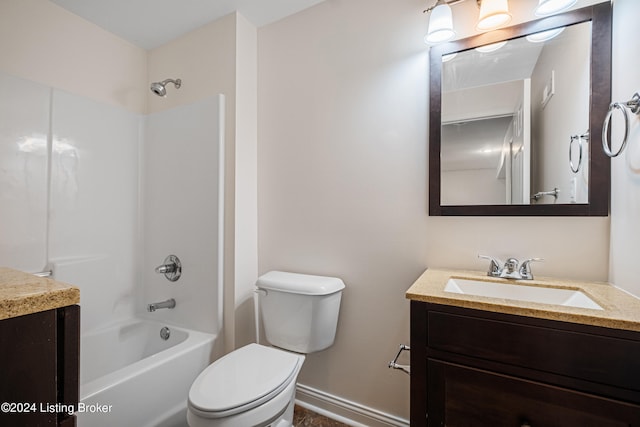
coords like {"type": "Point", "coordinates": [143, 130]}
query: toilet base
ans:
{"type": "Point", "coordinates": [286, 420]}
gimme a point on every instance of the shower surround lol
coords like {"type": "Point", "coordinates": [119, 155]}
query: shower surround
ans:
{"type": "Point", "coordinates": [100, 195]}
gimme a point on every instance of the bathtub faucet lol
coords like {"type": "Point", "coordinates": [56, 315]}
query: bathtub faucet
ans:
{"type": "Point", "coordinates": [171, 268]}
{"type": "Point", "coordinates": [170, 303]}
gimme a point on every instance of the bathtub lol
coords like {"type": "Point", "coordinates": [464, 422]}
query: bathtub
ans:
{"type": "Point", "coordinates": [130, 376]}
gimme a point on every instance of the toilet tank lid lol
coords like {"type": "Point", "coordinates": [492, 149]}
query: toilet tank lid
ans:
{"type": "Point", "coordinates": [296, 283]}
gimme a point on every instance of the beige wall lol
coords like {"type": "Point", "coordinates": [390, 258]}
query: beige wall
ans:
{"type": "Point", "coordinates": [342, 168]}
{"type": "Point", "coordinates": [246, 212]}
{"type": "Point", "coordinates": [205, 60]}
{"type": "Point", "coordinates": [44, 43]}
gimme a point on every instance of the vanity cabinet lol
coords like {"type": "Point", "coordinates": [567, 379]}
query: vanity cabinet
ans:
{"type": "Point", "coordinates": [472, 367]}
{"type": "Point", "coordinates": [39, 363]}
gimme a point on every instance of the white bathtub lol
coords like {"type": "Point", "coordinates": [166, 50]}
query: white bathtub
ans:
{"type": "Point", "coordinates": [131, 377]}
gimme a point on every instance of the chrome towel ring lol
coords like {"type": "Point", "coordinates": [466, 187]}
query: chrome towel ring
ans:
{"type": "Point", "coordinates": [634, 105]}
{"type": "Point", "coordinates": [580, 139]}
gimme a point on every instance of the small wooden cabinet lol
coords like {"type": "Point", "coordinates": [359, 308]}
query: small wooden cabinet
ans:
{"type": "Point", "coordinates": [477, 368]}
{"type": "Point", "coordinates": [39, 368]}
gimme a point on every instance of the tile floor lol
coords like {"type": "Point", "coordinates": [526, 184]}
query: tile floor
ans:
{"type": "Point", "coordinates": [305, 418]}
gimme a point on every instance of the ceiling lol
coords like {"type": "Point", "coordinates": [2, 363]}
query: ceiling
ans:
{"type": "Point", "coordinates": [515, 61]}
{"type": "Point", "coordinates": [152, 23]}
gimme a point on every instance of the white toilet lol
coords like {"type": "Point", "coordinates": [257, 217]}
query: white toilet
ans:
{"type": "Point", "coordinates": [255, 385]}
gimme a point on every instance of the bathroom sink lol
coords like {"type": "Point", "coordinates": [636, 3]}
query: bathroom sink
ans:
{"type": "Point", "coordinates": [545, 295]}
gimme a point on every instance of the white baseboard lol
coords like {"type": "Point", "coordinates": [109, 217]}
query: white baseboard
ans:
{"type": "Point", "coordinates": [343, 410]}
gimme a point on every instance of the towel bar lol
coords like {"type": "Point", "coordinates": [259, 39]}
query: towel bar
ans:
{"type": "Point", "coordinates": [394, 363]}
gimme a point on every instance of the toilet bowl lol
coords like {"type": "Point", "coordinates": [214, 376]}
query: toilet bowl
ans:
{"type": "Point", "coordinates": [254, 386]}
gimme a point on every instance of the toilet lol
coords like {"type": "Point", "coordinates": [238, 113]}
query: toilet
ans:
{"type": "Point", "coordinates": [255, 385]}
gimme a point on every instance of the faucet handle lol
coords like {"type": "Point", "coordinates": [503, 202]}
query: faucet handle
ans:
{"type": "Point", "coordinates": [171, 268]}
{"type": "Point", "coordinates": [494, 265]}
{"type": "Point", "coordinates": [525, 268]}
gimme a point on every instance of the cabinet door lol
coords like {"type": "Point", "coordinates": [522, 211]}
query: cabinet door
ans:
{"type": "Point", "coordinates": [28, 369]}
{"type": "Point", "coordinates": [68, 361]}
{"type": "Point", "coordinates": [461, 396]}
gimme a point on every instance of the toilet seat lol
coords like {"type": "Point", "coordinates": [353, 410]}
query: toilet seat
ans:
{"type": "Point", "coordinates": [242, 380]}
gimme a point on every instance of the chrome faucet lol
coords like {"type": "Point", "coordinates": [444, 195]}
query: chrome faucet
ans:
{"type": "Point", "coordinates": [171, 268]}
{"type": "Point", "coordinates": [494, 266]}
{"type": "Point", "coordinates": [510, 268]}
{"type": "Point", "coordinates": [170, 303]}
{"type": "Point", "coordinates": [525, 268]}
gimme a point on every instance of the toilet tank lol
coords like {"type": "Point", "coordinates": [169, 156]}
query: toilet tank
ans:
{"type": "Point", "coordinates": [299, 311]}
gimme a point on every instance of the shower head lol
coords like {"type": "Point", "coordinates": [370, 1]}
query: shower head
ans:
{"type": "Point", "coordinates": [159, 87]}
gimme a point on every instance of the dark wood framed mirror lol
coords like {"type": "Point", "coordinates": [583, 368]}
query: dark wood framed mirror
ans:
{"type": "Point", "coordinates": [540, 121]}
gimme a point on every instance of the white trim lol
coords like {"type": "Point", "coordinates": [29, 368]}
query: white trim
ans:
{"type": "Point", "coordinates": [221, 183]}
{"type": "Point", "coordinates": [345, 411]}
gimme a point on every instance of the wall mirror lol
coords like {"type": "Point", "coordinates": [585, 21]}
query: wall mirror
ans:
{"type": "Point", "coordinates": [516, 118]}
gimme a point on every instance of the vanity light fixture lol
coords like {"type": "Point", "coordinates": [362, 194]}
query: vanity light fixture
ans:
{"type": "Point", "coordinates": [493, 14]}
{"type": "Point", "coordinates": [440, 24]}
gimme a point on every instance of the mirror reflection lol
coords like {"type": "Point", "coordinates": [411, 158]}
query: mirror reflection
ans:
{"type": "Point", "coordinates": [509, 112]}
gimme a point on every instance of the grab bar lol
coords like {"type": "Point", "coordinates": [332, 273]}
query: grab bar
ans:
{"type": "Point", "coordinates": [634, 105]}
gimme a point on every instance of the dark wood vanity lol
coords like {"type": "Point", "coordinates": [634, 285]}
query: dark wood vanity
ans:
{"type": "Point", "coordinates": [40, 364]}
{"type": "Point", "coordinates": [478, 368]}
{"type": "Point", "coordinates": [491, 361]}
{"type": "Point", "coordinates": [39, 351]}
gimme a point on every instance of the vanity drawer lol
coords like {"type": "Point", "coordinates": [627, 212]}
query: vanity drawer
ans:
{"type": "Point", "coordinates": [593, 357]}
{"type": "Point", "coordinates": [462, 396]}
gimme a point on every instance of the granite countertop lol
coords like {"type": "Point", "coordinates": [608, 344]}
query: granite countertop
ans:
{"type": "Point", "coordinates": [23, 293]}
{"type": "Point", "coordinates": [621, 310]}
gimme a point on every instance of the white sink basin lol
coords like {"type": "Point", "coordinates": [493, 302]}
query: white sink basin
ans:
{"type": "Point", "coordinates": [556, 296]}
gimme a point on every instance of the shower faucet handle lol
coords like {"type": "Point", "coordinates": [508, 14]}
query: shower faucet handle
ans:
{"type": "Point", "coordinates": [171, 268]}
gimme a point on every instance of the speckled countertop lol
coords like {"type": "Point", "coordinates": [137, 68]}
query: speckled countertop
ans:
{"type": "Point", "coordinates": [620, 309]}
{"type": "Point", "coordinates": [23, 293]}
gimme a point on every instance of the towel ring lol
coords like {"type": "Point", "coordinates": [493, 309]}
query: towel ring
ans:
{"type": "Point", "coordinates": [634, 105]}
{"type": "Point", "coordinates": [580, 139]}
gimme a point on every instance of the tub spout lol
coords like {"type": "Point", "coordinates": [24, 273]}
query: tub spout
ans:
{"type": "Point", "coordinates": [170, 303]}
